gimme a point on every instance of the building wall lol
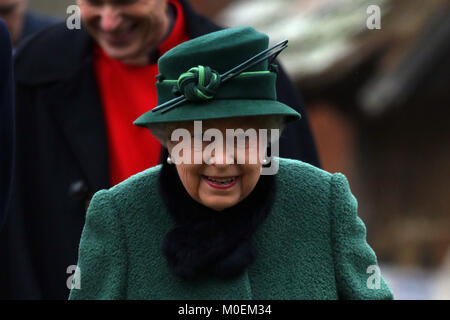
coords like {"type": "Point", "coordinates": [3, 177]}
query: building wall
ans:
{"type": "Point", "coordinates": [51, 7]}
{"type": "Point", "coordinates": [58, 7]}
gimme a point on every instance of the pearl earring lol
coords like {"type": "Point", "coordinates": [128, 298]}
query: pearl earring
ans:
{"type": "Point", "coordinates": [265, 161]}
{"type": "Point", "coordinates": [169, 160]}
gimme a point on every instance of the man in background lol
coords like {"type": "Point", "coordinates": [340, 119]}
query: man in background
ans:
{"type": "Point", "coordinates": [6, 119]}
{"type": "Point", "coordinates": [22, 23]}
{"type": "Point", "coordinates": [78, 93]}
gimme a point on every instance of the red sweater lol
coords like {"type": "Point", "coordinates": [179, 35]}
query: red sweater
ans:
{"type": "Point", "coordinates": [126, 93]}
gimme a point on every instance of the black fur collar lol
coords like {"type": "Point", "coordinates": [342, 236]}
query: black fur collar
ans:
{"type": "Point", "coordinates": [205, 241]}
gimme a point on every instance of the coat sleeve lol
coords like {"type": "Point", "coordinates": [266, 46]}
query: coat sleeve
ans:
{"type": "Point", "coordinates": [6, 119]}
{"type": "Point", "coordinates": [356, 269]}
{"type": "Point", "coordinates": [102, 259]}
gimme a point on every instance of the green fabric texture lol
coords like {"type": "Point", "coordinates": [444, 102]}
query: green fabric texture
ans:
{"type": "Point", "coordinates": [191, 69]}
{"type": "Point", "coordinates": [220, 50]}
{"type": "Point", "coordinates": [311, 246]}
{"type": "Point", "coordinates": [250, 85]}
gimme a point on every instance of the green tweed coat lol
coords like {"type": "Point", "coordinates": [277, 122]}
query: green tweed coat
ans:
{"type": "Point", "coordinates": [311, 246]}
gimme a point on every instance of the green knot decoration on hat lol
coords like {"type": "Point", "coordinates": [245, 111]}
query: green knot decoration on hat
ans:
{"type": "Point", "coordinates": [224, 74]}
{"type": "Point", "coordinates": [199, 83]}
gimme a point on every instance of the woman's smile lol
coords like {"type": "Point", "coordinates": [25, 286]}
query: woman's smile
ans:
{"type": "Point", "coordinates": [222, 183]}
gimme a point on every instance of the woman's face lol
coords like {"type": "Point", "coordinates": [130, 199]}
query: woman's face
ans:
{"type": "Point", "coordinates": [214, 182]}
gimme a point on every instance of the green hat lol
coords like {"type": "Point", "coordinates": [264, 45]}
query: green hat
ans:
{"type": "Point", "coordinates": [203, 79]}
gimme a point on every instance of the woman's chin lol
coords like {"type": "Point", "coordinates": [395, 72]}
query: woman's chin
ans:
{"type": "Point", "coordinates": [218, 203]}
{"type": "Point", "coordinates": [219, 199]}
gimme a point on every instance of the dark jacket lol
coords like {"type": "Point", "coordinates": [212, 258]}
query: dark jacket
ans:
{"type": "Point", "coordinates": [312, 245]}
{"type": "Point", "coordinates": [6, 119]}
{"type": "Point", "coordinates": [34, 22]}
{"type": "Point", "coordinates": [63, 157]}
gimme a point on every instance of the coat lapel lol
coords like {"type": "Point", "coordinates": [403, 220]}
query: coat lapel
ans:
{"type": "Point", "coordinates": [76, 106]}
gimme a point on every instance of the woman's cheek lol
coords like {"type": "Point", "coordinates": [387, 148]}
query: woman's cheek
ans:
{"type": "Point", "coordinates": [250, 179]}
{"type": "Point", "coordinates": [191, 179]}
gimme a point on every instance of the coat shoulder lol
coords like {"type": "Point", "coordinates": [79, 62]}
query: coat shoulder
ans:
{"type": "Point", "coordinates": [137, 184]}
{"type": "Point", "coordinates": [138, 191]}
{"type": "Point", "coordinates": [302, 189]}
{"type": "Point", "coordinates": [301, 176]}
{"type": "Point", "coordinates": [50, 55]}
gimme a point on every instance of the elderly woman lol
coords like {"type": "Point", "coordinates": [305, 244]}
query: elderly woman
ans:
{"type": "Point", "coordinates": [219, 219]}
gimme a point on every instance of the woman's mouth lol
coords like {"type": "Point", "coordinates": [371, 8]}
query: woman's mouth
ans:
{"type": "Point", "coordinates": [221, 182]}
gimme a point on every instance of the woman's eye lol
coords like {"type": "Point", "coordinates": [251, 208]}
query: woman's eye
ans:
{"type": "Point", "coordinates": [241, 141]}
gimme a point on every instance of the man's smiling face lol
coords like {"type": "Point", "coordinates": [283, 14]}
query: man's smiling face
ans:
{"type": "Point", "coordinates": [127, 30]}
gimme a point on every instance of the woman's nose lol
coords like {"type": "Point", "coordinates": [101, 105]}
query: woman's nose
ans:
{"type": "Point", "coordinates": [110, 18]}
{"type": "Point", "coordinates": [221, 158]}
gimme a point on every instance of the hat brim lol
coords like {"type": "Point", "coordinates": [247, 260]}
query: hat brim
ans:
{"type": "Point", "coordinates": [219, 109]}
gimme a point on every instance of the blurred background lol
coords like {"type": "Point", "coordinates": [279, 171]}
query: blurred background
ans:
{"type": "Point", "coordinates": [379, 106]}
